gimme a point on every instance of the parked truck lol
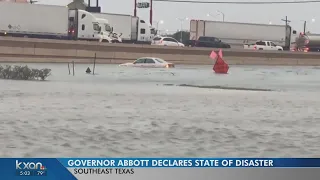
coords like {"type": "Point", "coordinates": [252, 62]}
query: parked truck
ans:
{"type": "Point", "coordinates": [235, 33]}
{"type": "Point", "coordinates": [50, 22]}
{"type": "Point", "coordinates": [131, 29]}
{"type": "Point", "coordinates": [308, 43]}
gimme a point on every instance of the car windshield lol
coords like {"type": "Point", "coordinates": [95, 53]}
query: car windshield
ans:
{"type": "Point", "coordinates": [160, 60]}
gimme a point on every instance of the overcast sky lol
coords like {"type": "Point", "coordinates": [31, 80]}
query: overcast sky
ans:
{"type": "Point", "coordinates": [168, 12]}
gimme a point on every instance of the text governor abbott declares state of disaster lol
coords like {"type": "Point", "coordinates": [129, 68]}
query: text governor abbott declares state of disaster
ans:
{"type": "Point", "coordinates": [171, 163]}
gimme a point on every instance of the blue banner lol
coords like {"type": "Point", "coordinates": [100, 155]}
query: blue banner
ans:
{"type": "Point", "coordinates": [189, 162]}
{"type": "Point", "coordinates": [33, 168]}
{"type": "Point", "coordinates": [51, 168]}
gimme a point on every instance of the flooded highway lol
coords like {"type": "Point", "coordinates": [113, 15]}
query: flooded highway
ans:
{"type": "Point", "coordinates": [124, 111]}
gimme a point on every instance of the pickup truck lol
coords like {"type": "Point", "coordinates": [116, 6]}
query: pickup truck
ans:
{"type": "Point", "coordinates": [263, 45]}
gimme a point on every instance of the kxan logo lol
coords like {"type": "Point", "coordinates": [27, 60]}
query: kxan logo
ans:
{"type": "Point", "coordinates": [30, 166]}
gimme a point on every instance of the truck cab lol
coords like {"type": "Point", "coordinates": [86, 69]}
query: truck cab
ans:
{"type": "Point", "coordinates": [84, 25]}
{"type": "Point", "coordinates": [145, 31]}
{"type": "Point", "coordinates": [107, 34]}
{"type": "Point", "coordinates": [308, 43]}
{"type": "Point", "coordinates": [263, 45]}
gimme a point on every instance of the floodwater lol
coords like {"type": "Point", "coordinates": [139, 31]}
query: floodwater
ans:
{"type": "Point", "coordinates": [125, 112]}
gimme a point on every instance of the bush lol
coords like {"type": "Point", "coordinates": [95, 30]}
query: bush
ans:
{"type": "Point", "coordinates": [23, 73]}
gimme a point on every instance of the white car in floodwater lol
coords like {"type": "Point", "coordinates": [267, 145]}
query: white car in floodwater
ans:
{"type": "Point", "coordinates": [149, 62]}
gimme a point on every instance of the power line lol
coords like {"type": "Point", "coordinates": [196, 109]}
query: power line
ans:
{"type": "Point", "coordinates": [237, 2]}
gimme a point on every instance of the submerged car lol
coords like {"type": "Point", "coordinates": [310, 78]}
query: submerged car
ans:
{"type": "Point", "coordinates": [151, 62]}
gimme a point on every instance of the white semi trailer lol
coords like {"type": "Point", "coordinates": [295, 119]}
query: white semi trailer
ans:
{"type": "Point", "coordinates": [49, 22]}
{"type": "Point", "coordinates": [236, 33]}
{"type": "Point", "coordinates": [132, 29]}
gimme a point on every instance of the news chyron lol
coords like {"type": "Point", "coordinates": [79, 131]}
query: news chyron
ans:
{"type": "Point", "coordinates": [123, 171]}
{"type": "Point", "coordinates": [30, 169]}
{"type": "Point", "coordinates": [90, 170]}
{"type": "Point", "coordinates": [24, 168]}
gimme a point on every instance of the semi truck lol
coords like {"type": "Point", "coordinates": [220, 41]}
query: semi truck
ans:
{"type": "Point", "coordinates": [308, 42]}
{"type": "Point", "coordinates": [235, 33]}
{"type": "Point", "coordinates": [131, 29]}
{"type": "Point", "coordinates": [49, 22]}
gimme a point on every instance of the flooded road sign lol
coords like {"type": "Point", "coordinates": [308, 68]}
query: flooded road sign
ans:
{"type": "Point", "coordinates": [220, 66]}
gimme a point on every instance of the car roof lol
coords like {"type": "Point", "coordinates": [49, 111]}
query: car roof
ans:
{"type": "Point", "coordinates": [167, 37]}
{"type": "Point", "coordinates": [150, 58]}
{"type": "Point", "coordinates": [162, 37]}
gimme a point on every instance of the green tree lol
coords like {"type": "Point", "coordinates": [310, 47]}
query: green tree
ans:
{"type": "Point", "coordinates": [185, 36]}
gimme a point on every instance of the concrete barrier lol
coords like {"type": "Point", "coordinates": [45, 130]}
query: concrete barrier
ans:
{"type": "Point", "coordinates": [55, 52]}
{"type": "Point", "coordinates": [40, 50]}
{"type": "Point", "coordinates": [230, 60]}
{"type": "Point", "coordinates": [17, 50]}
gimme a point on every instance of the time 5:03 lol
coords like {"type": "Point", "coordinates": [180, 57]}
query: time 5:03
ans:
{"type": "Point", "coordinates": [24, 173]}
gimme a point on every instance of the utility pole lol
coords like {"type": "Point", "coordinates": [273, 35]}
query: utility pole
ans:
{"type": "Point", "coordinates": [135, 8]}
{"type": "Point", "coordinates": [287, 22]}
{"type": "Point", "coordinates": [151, 8]}
{"type": "Point", "coordinates": [304, 27]}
